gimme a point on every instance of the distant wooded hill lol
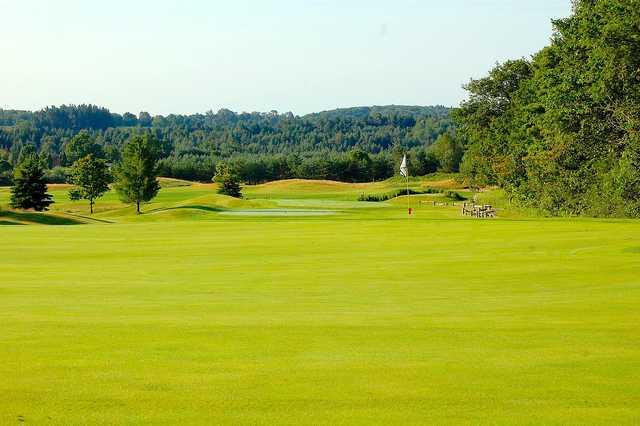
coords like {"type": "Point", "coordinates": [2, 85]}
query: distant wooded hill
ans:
{"type": "Point", "coordinates": [80, 117]}
{"type": "Point", "coordinates": [319, 145]}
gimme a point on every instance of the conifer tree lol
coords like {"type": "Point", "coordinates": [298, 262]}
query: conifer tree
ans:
{"type": "Point", "coordinates": [136, 180]}
{"type": "Point", "coordinates": [29, 189]}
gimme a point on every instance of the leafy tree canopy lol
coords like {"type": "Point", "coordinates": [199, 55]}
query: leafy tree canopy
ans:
{"type": "Point", "coordinates": [562, 131]}
{"type": "Point", "coordinates": [91, 178]}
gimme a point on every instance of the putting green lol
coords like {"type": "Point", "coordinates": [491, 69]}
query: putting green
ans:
{"type": "Point", "coordinates": [188, 316]}
{"type": "Point", "coordinates": [278, 212]}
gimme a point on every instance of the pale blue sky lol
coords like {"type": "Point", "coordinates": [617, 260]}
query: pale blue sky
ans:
{"type": "Point", "coordinates": [190, 56]}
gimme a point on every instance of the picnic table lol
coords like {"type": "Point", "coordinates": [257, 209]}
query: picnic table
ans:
{"type": "Point", "coordinates": [478, 211]}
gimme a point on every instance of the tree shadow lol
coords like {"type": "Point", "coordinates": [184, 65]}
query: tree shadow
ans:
{"type": "Point", "coordinates": [190, 207]}
{"type": "Point", "coordinates": [91, 218]}
{"type": "Point", "coordinates": [38, 218]}
{"type": "Point", "coordinates": [8, 223]}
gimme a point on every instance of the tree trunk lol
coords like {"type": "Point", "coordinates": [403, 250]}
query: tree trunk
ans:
{"type": "Point", "coordinates": [91, 206]}
{"type": "Point", "coordinates": [137, 206]}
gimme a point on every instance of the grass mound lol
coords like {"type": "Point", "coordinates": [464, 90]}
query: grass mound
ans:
{"type": "Point", "coordinates": [173, 183]}
{"type": "Point", "coordinates": [11, 217]}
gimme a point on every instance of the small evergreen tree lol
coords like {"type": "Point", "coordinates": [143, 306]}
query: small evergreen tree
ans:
{"type": "Point", "coordinates": [136, 180]}
{"type": "Point", "coordinates": [29, 189]}
{"type": "Point", "coordinates": [91, 177]}
{"type": "Point", "coordinates": [228, 181]}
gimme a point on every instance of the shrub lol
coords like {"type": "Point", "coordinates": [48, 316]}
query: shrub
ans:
{"type": "Point", "coordinates": [455, 196]}
{"type": "Point", "coordinates": [377, 198]}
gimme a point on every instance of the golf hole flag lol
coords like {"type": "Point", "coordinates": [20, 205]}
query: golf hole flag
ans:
{"type": "Point", "coordinates": [404, 171]}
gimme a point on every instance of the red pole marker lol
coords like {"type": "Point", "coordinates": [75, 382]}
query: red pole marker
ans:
{"type": "Point", "coordinates": [410, 211]}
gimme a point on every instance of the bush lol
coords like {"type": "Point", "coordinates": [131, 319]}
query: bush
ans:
{"type": "Point", "coordinates": [455, 196]}
{"type": "Point", "coordinates": [377, 198]}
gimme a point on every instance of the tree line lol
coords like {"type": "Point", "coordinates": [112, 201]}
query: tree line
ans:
{"type": "Point", "coordinates": [561, 130]}
{"type": "Point", "coordinates": [353, 144]}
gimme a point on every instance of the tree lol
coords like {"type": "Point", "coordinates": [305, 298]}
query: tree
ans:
{"type": "Point", "coordinates": [80, 146]}
{"type": "Point", "coordinates": [228, 181]}
{"type": "Point", "coordinates": [426, 162]}
{"type": "Point", "coordinates": [26, 152]}
{"type": "Point", "coordinates": [448, 151]}
{"type": "Point", "coordinates": [136, 180]}
{"type": "Point", "coordinates": [5, 172]}
{"type": "Point", "coordinates": [144, 119]}
{"type": "Point", "coordinates": [29, 189]}
{"type": "Point", "coordinates": [91, 177]}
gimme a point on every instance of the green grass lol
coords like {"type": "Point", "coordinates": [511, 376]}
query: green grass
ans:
{"type": "Point", "coordinates": [187, 316]}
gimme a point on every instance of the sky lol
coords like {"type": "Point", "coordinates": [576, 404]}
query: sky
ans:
{"type": "Point", "coordinates": [303, 56]}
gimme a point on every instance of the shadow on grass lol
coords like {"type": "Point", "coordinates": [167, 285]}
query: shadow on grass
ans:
{"type": "Point", "coordinates": [191, 207]}
{"type": "Point", "coordinates": [90, 218]}
{"type": "Point", "coordinates": [37, 218]}
{"type": "Point", "coordinates": [8, 223]}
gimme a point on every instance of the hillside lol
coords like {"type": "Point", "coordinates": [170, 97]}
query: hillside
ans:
{"type": "Point", "coordinates": [436, 112]}
{"type": "Point", "coordinates": [186, 200]}
{"type": "Point", "coordinates": [262, 146]}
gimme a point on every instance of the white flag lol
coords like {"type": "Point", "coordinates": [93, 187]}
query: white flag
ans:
{"type": "Point", "coordinates": [404, 171]}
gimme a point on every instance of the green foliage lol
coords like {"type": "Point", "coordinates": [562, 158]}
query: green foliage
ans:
{"type": "Point", "coordinates": [561, 131]}
{"type": "Point", "coordinates": [29, 189]}
{"type": "Point", "coordinates": [447, 151]}
{"type": "Point", "coordinates": [377, 198]}
{"type": "Point", "coordinates": [80, 146]}
{"type": "Point", "coordinates": [57, 175]}
{"type": "Point", "coordinates": [136, 175]}
{"type": "Point", "coordinates": [5, 172]}
{"type": "Point", "coordinates": [26, 151]}
{"type": "Point", "coordinates": [261, 147]}
{"type": "Point", "coordinates": [228, 181]}
{"type": "Point", "coordinates": [91, 178]}
{"type": "Point", "coordinates": [425, 163]}
{"type": "Point", "coordinates": [454, 195]}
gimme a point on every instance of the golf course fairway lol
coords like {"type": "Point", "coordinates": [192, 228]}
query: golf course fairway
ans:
{"type": "Point", "coordinates": [359, 317]}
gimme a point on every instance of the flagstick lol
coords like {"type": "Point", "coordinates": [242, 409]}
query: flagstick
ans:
{"type": "Point", "coordinates": [404, 171]}
{"type": "Point", "coordinates": [408, 205]}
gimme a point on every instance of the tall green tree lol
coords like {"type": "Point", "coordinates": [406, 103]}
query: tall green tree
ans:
{"type": "Point", "coordinates": [136, 175]}
{"type": "Point", "coordinates": [29, 189]}
{"type": "Point", "coordinates": [91, 178]}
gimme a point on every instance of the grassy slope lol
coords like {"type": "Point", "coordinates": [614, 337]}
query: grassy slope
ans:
{"type": "Point", "coordinates": [183, 200]}
{"type": "Point", "coordinates": [364, 317]}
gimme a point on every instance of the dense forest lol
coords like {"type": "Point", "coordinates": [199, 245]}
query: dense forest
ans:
{"type": "Point", "coordinates": [561, 131]}
{"type": "Point", "coordinates": [352, 144]}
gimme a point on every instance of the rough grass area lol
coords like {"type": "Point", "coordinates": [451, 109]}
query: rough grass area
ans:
{"type": "Point", "coordinates": [186, 315]}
